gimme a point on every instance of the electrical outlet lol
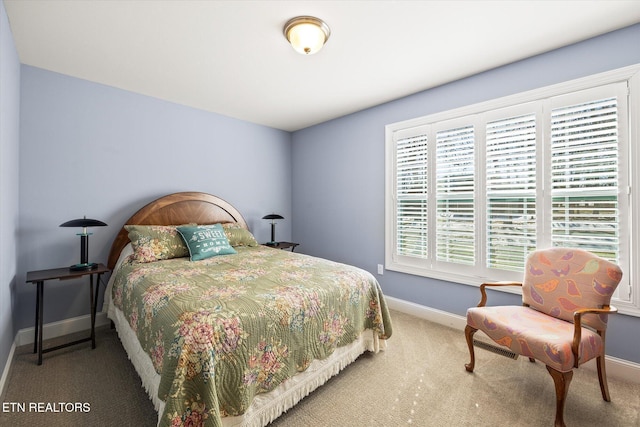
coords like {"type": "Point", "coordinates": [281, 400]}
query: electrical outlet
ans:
{"type": "Point", "coordinates": [380, 269]}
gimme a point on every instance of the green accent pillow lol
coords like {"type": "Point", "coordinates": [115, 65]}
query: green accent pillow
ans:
{"type": "Point", "coordinates": [156, 242]}
{"type": "Point", "coordinates": [238, 236]}
{"type": "Point", "coordinates": [206, 241]}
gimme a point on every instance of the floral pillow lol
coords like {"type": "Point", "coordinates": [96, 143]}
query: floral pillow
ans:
{"type": "Point", "coordinates": [238, 236]}
{"type": "Point", "coordinates": [156, 242]}
{"type": "Point", "coordinates": [206, 241]}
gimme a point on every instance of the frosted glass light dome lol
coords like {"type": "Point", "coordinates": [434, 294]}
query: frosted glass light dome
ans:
{"type": "Point", "coordinates": [306, 34]}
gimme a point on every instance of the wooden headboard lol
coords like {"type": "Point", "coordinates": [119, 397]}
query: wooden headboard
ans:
{"type": "Point", "coordinates": [177, 209]}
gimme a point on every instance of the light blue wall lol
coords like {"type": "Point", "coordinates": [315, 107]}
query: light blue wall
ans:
{"type": "Point", "coordinates": [89, 149]}
{"type": "Point", "coordinates": [9, 145]}
{"type": "Point", "coordinates": [338, 173]}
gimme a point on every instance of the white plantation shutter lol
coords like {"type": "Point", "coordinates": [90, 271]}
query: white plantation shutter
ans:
{"type": "Point", "coordinates": [477, 189]}
{"type": "Point", "coordinates": [455, 187]}
{"type": "Point", "coordinates": [510, 160]}
{"type": "Point", "coordinates": [584, 177]}
{"type": "Point", "coordinates": [411, 196]}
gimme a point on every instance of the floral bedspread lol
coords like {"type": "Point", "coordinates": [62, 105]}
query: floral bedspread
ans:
{"type": "Point", "coordinates": [221, 330]}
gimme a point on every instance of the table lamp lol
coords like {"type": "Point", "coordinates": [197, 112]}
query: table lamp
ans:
{"type": "Point", "coordinates": [84, 241]}
{"type": "Point", "coordinates": [273, 218]}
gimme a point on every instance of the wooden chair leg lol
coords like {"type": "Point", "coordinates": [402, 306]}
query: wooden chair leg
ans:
{"type": "Point", "coordinates": [561, 381]}
{"type": "Point", "coordinates": [468, 332]}
{"type": "Point", "coordinates": [602, 377]}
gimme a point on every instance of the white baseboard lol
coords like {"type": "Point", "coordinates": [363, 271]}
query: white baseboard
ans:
{"type": "Point", "coordinates": [58, 329]}
{"type": "Point", "coordinates": [427, 313]}
{"type": "Point", "coordinates": [616, 368]}
{"type": "Point", "coordinates": [5, 372]}
{"type": "Point", "coordinates": [50, 330]}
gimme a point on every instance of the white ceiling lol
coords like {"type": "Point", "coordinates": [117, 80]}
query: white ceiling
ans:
{"type": "Point", "coordinates": [231, 58]}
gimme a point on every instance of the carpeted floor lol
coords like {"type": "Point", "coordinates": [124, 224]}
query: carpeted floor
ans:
{"type": "Point", "coordinates": [420, 380]}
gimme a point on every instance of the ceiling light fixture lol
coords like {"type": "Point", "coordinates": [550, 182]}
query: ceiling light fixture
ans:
{"type": "Point", "coordinates": [307, 34]}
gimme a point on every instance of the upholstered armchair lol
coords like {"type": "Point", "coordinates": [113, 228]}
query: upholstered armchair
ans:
{"type": "Point", "coordinates": [563, 318]}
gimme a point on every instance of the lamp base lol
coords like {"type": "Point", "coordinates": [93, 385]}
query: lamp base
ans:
{"type": "Point", "coordinates": [271, 243]}
{"type": "Point", "coordinates": [83, 267]}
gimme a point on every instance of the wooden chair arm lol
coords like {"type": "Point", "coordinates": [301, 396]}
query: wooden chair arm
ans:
{"type": "Point", "coordinates": [483, 300]}
{"type": "Point", "coordinates": [577, 327]}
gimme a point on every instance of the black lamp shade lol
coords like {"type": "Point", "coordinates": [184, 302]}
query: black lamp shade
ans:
{"type": "Point", "coordinates": [83, 222]}
{"type": "Point", "coordinates": [273, 218]}
{"type": "Point", "coordinates": [84, 241]}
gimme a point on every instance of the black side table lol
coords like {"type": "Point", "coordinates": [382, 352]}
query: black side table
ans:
{"type": "Point", "coordinates": [282, 245]}
{"type": "Point", "coordinates": [39, 277]}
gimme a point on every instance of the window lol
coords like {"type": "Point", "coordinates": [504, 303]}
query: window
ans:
{"type": "Point", "coordinates": [510, 167]}
{"type": "Point", "coordinates": [455, 189]}
{"type": "Point", "coordinates": [411, 187]}
{"type": "Point", "coordinates": [471, 192]}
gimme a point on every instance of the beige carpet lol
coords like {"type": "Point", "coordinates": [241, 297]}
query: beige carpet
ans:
{"type": "Point", "coordinates": [420, 380]}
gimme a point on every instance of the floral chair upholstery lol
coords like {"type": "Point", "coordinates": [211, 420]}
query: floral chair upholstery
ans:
{"type": "Point", "coordinates": [563, 319]}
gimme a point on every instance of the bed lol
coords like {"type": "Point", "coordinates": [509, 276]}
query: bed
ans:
{"type": "Point", "coordinates": [237, 338]}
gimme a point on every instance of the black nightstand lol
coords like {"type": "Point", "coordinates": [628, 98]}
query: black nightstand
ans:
{"type": "Point", "coordinates": [282, 245]}
{"type": "Point", "coordinates": [39, 277]}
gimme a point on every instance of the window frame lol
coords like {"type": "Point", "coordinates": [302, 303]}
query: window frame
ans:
{"type": "Point", "coordinates": [629, 250]}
